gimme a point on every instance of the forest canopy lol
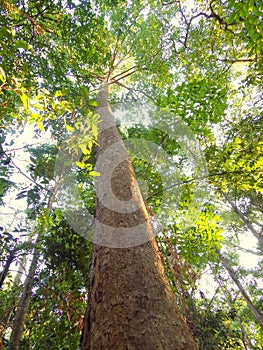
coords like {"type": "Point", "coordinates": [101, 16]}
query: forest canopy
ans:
{"type": "Point", "coordinates": [185, 86]}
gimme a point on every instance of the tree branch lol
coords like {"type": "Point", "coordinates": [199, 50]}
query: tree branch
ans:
{"type": "Point", "coordinates": [246, 221]}
{"type": "Point", "coordinates": [11, 8]}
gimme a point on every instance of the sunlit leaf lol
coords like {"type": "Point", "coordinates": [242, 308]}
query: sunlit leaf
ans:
{"type": "Point", "coordinates": [70, 128]}
{"type": "Point", "coordinates": [25, 100]}
{"type": "Point", "coordinates": [40, 125]}
{"type": "Point", "coordinates": [94, 173]}
{"type": "Point", "coordinates": [2, 75]}
{"type": "Point", "coordinates": [81, 165]}
{"type": "Point", "coordinates": [93, 103]}
{"type": "Point", "coordinates": [22, 44]}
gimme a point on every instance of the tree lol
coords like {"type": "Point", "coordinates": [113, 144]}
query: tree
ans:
{"type": "Point", "coordinates": [232, 274]}
{"type": "Point", "coordinates": [127, 284]}
{"type": "Point", "coordinates": [21, 312]}
{"type": "Point", "coordinates": [203, 64]}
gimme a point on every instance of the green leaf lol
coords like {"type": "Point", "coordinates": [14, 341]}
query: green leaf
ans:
{"type": "Point", "coordinates": [58, 93]}
{"type": "Point", "coordinates": [40, 125]}
{"type": "Point", "coordinates": [22, 45]}
{"type": "Point", "coordinates": [38, 106]}
{"type": "Point", "coordinates": [40, 97]}
{"type": "Point", "coordinates": [95, 129]}
{"type": "Point", "coordinates": [84, 92]}
{"type": "Point", "coordinates": [62, 92]}
{"type": "Point", "coordinates": [80, 165]}
{"type": "Point", "coordinates": [84, 149]}
{"type": "Point", "coordinates": [69, 128]}
{"type": "Point", "coordinates": [2, 75]}
{"type": "Point", "coordinates": [24, 99]}
{"type": "Point", "coordinates": [94, 173]}
{"type": "Point", "coordinates": [93, 103]}
{"type": "Point", "coordinates": [35, 116]}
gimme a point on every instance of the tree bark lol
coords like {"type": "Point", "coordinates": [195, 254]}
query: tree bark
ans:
{"type": "Point", "coordinates": [245, 338]}
{"type": "Point", "coordinates": [5, 270]}
{"type": "Point", "coordinates": [131, 304]}
{"type": "Point", "coordinates": [14, 296]}
{"type": "Point", "coordinates": [23, 306]}
{"type": "Point", "coordinates": [234, 277]}
{"type": "Point", "coordinates": [21, 312]}
{"type": "Point", "coordinates": [231, 303]}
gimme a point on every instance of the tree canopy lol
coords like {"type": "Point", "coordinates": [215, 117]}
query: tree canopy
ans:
{"type": "Point", "coordinates": [186, 90]}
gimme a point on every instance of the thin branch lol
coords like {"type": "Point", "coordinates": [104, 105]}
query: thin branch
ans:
{"type": "Point", "coordinates": [117, 80]}
{"type": "Point", "coordinates": [182, 13]}
{"type": "Point", "coordinates": [124, 86]}
{"type": "Point", "coordinates": [171, 2]}
{"type": "Point", "coordinates": [219, 19]}
{"type": "Point", "coordinates": [243, 217]}
{"type": "Point", "coordinates": [194, 179]}
{"type": "Point", "coordinates": [24, 147]}
{"type": "Point", "coordinates": [213, 15]}
{"type": "Point", "coordinates": [114, 55]}
{"type": "Point", "coordinates": [124, 58]}
{"type": "Point", "coordinates": [246, 250]}
{"type": "Point", "coordinates": [238, 60]}
{"type": "Point", "coordinates": [52, 198]}
{"type": "Point", "coordinates": [120, 74]}
{"type": "Point", "coordinates": [26, 176]}
{"type": "Point", "coordinates": [213, 297]}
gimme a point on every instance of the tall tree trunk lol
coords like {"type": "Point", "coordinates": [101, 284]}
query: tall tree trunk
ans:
{"type": "Point", "coordinates": [5, 270]}
{"type": "Point", "coordinates": [246, 221]}
{"type": "Point", "coordinates": [231, 303]}
{"type": "Point", "coordinates": [131, 303]}
{"type": "Point", "coordinates": [20, 270]}
{"type": "Point", "coordinates": [23, 306]}
{"type": "Point", "coordinates": [22, 309]}
{"type": "Point", "coordinates": [245, 338]}
{"type": "Point", "coordinates": [13, 295]}
{"type": "Point", "coordinates": [234, 277]}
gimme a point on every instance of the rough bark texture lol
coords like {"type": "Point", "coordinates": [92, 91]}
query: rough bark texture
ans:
{"type": "Point", "coordinates": [131, 304]}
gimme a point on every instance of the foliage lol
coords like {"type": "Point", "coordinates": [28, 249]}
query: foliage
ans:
{"type": "Point", "coordinates": [59, 300]}
{"type": "Point", "coordinates": [5, 168]}
{"type": "Point", "coordinates": [219, 330]}
{"type": "Point", "coordinates": [200, 63]}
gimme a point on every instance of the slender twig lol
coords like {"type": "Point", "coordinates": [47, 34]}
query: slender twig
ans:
{"type": "Point", "coordinates": [114, 55]}
{"type": "Point", "coordinates": [124, 76]}
{"type": "Point", "coordinates": [26, 176]}
{"type": "Point", "coordinates": [238, 60]}
{"type": "Point", "coordinates": [193, 180]}
{"type": "Point", "coordinates": [121, 74]}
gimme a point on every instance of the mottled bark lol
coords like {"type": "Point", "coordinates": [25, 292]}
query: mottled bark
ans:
{"type": "Point", "coordinates": [131, 303]}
